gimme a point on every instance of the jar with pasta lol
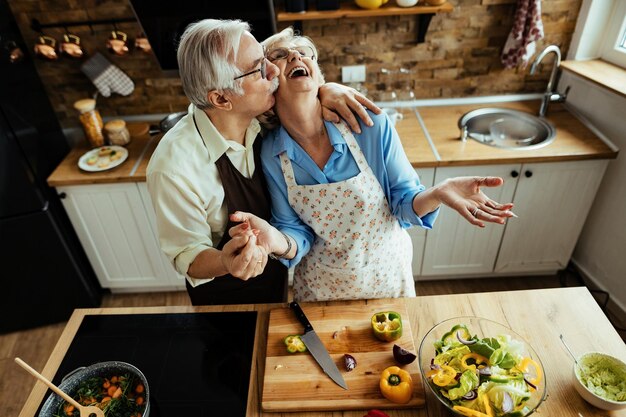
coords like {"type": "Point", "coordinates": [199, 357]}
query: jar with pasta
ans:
{"type": "Point", "coordinates": [116, 132]}
{"type": "Point", "coordinates": [91, 120]}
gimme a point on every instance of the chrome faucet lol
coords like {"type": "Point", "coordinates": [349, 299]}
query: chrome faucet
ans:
{"type": "Point", "coordinates": [550, 94]}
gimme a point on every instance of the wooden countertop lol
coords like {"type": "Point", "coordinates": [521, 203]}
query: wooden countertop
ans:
{"type": "Point", "coordinates": [574, 141]}
{"type": "Point", "coordinates": [539, 316]}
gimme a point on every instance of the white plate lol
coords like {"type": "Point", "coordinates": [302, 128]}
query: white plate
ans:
{"type": "Point", "coordinates": [102, 158]}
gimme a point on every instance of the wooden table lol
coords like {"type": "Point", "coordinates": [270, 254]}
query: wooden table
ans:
{"type": "Point", "coordinates": [537, 315]}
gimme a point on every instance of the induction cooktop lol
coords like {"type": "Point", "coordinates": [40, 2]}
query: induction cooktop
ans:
{"type": "Point", "coordinates": [196, 364]}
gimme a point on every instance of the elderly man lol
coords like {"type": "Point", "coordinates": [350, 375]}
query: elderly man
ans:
{"type": "Point", "coordinates": [205, 167]}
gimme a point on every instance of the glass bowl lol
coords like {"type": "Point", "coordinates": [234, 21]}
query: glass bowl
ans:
{"type": "Point", "coordinates": [523, 382]}
{"type": "Point", "coordinates": [594, 362]}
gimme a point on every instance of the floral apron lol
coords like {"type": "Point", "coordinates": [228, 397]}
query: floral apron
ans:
{"type": "Point", "coordinates": [360, 251]}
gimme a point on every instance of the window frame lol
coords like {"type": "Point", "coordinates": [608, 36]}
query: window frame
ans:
{"type": "Point", "coordinates": [610, 49]}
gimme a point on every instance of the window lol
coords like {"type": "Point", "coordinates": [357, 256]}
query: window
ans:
{"type": "Point", "coordinates": [613, 46]}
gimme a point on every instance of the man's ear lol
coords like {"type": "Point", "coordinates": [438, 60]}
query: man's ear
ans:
{"type": "Point", "coordinates": [219, 100]}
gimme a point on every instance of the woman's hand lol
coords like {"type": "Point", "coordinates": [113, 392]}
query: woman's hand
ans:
{"type": "Point", "coordinates": [464, 195]}
{"type": "Point", "coordinates": [267, 236]}
{"type": "Point", "coordinates": [339, 101]}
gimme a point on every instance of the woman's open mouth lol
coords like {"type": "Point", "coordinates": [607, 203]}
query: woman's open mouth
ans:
{"type": "Point", "coordinates": [298, 72]}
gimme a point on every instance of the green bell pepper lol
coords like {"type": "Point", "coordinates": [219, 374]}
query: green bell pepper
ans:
{"type": "Point", "coordinates": [387, 326]}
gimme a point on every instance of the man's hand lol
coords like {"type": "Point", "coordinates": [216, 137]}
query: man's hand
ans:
{"type": "Point", "coordinates": [341, 102]}
{"type": "Point", "coordinates": [464, 195]}
{"type": "Point", "coordinates": [242, 257]}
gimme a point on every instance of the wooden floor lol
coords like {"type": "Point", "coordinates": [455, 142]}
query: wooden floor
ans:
{"type": "Point", "coordinates": [35, 346]}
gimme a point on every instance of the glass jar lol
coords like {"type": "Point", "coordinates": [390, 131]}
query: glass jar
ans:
{"type": "Point", "coordinates": [117, 133]}
{"type": "Point", "coordinates": [91, 120]}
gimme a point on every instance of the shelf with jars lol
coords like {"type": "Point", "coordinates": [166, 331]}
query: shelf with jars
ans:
{"type": "Point", "coordinates": [423, 10]}
{"type": "Point", "coordinates": [351, 10]}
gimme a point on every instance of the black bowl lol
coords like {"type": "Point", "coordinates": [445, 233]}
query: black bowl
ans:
{"type": "Point", "coordinates": [70, 383]}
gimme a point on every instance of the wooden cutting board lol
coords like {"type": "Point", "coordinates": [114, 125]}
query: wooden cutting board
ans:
{"type": "Point", "coordinates": [295, 382]}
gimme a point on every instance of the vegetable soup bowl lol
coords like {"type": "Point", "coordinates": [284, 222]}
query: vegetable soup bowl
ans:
{"type": "Point", "coordinates": [477, 367]}
{"type": "Point", "coordinates": [601, 380]}
{"type": "Point", "coordinates": [78, 378]}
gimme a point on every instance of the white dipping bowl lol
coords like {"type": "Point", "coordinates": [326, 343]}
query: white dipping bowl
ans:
{"type": "Point", "coordinates": [590, 397]}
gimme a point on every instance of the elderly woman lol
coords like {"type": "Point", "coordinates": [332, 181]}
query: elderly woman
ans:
{"type": "Point", "coordinates": [341, 202]}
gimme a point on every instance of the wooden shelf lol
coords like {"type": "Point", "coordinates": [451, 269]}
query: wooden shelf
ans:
{"type": "Point", "coordinates": [352, 10]}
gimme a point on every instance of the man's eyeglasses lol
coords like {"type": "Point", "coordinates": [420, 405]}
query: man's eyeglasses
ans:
{"type": "Point", "coordinates": [282, 53]}
{"type": "Point", "coordinates": [262, 70]}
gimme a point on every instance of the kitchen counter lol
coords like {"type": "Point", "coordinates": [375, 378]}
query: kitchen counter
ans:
{"type": "Point", "coordinates": [540, 316]}
{"type": "Point", "coordinates": [439, 145]}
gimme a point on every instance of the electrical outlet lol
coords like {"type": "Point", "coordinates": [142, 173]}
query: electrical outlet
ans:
{"type": "Point", "coordinates": [353, 74]}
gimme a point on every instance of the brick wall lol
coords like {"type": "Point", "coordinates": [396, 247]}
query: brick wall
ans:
{"type": "Point", "coordinates": [459, 58]}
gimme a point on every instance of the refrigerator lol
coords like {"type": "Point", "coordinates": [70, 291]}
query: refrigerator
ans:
{"type": "Point", "coordinates": [44, 272]}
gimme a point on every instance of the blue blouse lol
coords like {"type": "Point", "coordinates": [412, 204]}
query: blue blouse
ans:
{"type": "Point", "coordinates": [383, 151]}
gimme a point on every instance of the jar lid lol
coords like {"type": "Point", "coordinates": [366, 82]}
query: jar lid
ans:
{"type": "Point", "coordinates": [85, 105]}
{"type": "Point", "coordinates": [115, 125]}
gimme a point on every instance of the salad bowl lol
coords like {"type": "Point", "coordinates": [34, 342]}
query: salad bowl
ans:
{"type": "Point", "coordinates": [478, 367]}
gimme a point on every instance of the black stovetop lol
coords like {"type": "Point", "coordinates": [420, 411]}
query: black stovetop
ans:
{"type": "Point", "coordinates": [196, 364]}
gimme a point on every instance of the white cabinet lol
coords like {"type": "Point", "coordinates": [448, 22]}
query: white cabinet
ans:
{"type": "Point", "coordinates": [552, 201]}
{"type": "Point", "coordinates": [418, 234]}
{"type": "Point", "coordinates": [117, 230]}
{"type": "Point", "coordinates": [454, 246]}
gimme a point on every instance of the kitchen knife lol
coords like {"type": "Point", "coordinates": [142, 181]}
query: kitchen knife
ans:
{"type": "Point", "coordinates": [317, 348]}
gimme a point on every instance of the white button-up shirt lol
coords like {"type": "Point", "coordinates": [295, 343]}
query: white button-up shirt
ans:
{"type": "Point", "coordinates": [186, 189]}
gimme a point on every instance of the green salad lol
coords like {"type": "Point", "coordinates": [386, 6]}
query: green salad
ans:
{"type": "Point", "coordinates": [488, 377]}
{"type": "Point", "coordinates": [603, 376]}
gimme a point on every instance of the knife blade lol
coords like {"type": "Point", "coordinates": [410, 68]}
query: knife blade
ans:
{"type": "Point", "coordinates": [317, 348]}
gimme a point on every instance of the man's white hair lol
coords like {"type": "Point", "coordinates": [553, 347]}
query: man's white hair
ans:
{"type": "Point", "coordinates": [206, 59]}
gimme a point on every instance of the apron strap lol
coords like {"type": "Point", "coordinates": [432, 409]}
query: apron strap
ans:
{"type": "Point", "coordinates": [354, 147]}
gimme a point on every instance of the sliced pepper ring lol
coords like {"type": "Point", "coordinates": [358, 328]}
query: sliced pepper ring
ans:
{"type": "Point", "coordinates": [294, 344]}
{"type": "Point", "coordinates": [443, 376]}
{"type": "Point", "coordinates": [387, 326]}
{"type": "Point", "coordinates": [478, 360]}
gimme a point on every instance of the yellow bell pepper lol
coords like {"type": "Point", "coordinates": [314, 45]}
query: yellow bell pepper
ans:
{"type": "Point", "coordinates": [479, 359]}
{"type": "Point", "coordinates": [523, 366]}
{"type": "Point", "coordinates": [469, 412]}
{"type": "Point", "coordinates": [396, 385]}
{"type": "Point", "coordinates": [487, 404]}
{"type": "Point", "coordinates": [442, 376]}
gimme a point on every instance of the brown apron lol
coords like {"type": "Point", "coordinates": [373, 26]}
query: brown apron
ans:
{"type": "Point", "coordinates": [251, 195]}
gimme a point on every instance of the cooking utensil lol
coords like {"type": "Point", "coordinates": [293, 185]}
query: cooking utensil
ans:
{"type": "Point", "coordinates": [85, 411]}
{"type": "Point", "coordinates": [317, 348]}
{"type": "Point", "coordinates": [568, 349]}
{"type": "Point", "coordinates": [167, 123]}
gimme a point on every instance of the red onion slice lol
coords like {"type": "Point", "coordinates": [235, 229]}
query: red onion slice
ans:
{"type": "Point", "coordinates": [507, 403]}
{"type": "Point", "coordinates": [464, 341]}
{"type": "Point", "coordinates": [529, 383]}
{"type": "Point", "coordinates": [470, 395]}
{"type": "Point", "coordinates": [486, 371]}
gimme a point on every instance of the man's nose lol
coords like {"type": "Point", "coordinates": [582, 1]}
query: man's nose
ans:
{"type": "Point", "coordinates": [271, 70]}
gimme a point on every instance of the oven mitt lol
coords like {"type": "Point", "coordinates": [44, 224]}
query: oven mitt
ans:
{"type": "Point", "coordinates": [107, 77]}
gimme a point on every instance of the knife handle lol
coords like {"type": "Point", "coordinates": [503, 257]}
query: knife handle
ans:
{"type": "Point", "coordinates": [300, 316]}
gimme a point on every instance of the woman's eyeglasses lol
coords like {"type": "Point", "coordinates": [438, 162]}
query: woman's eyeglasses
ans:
{"type": "Point", "coordinates": [282, 53]}
{"type": "Point", "coordinates": [262, 70]}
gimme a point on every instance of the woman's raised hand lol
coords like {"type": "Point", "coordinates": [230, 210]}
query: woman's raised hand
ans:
{"type": "Point", "coordinates": [464, 195]}
{"type": "Point", "coordinates": [267, 236]}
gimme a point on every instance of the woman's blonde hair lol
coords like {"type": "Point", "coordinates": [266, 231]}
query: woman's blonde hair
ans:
{"type": "Point", "coordinates": [206, 59]}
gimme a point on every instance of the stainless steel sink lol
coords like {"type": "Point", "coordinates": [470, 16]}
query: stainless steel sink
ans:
{"type": "Point", "coordinates": [506, 128]}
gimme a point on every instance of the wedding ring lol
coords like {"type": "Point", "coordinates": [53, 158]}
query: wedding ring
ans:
{"type": "Point", "coordinates": [260, 262]}
{"type": "Point", "coordinates": [475, 212]}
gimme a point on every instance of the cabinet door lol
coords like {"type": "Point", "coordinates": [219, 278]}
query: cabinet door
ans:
{"type": "Point", "coordinates": [418, 234]}
{"type": "Point", "coordinates": [113, 227]}
{"type": "Point", "coordinates": [454, 246]}
{"type": "Point", "coordinates": [168, 269]}
{"type": "Point", "coordinates": [552, 201]}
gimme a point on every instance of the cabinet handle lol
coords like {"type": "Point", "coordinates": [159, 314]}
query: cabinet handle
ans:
{"type": "Point", "coordinates": [514, 174]}
{"type": "Point", "coordinates": [528, 174]}
{"type": "Point", "coordinates": [62, 196]}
